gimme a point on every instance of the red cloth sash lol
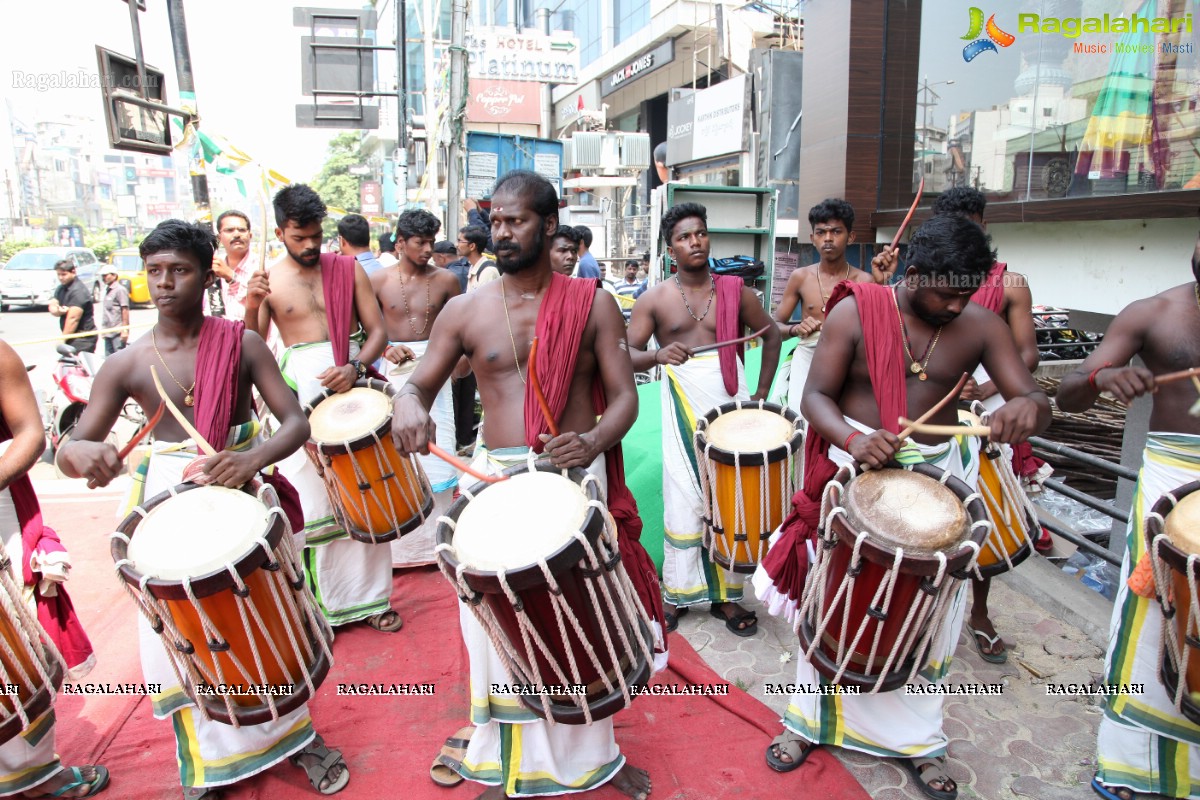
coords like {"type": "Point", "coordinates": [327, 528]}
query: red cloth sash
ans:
{"type": "Point", "coordinates": [787, 561]}
{"type": "Point", "coordinates": [560, 324]}
{"type": "Point", "coordinates": [729, 326]}
{"type": "Point", "coordinates": [218, 371]}
{"type": "Point", "coordinates": [337, 282]}
{"type": "Point", "coordinates": [990, 293]}
{"type": "Point", "coordinates": [56, 614]}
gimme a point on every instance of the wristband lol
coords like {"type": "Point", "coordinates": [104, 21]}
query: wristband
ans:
{"type": "Point", "coordinates": [1092, 377]}
{"type": "Point", "coordinates": [849, 439]}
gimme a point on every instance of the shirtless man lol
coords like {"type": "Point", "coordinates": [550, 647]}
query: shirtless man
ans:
{"type": "Point", "coordinates": [412, 294]}
{"type": "Point", "coordinates": [178, 259]}
{"type": "Point", "coordinates": [676, 312]}
{"type": "Point", "coordinates": [493, 327]}
{"type": "Point", "coordinates": [1147, 748]}
{"type": "Point", "coordinates": [348, 578]}
{"type": "Point", "coordinates": [809, 288]}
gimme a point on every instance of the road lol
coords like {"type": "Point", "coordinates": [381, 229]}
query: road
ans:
{"type": "Point", "coordinates": [31, 332]}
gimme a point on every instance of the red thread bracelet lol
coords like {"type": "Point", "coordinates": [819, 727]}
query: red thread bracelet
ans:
{"type": "Point", "coordinates": [849, 439]}
{"type": "Point", "coordinates": [1092, 377]}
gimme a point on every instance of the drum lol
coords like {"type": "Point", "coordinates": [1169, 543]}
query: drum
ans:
{"type": "Point", "coordinates": [1172, 534]}
{"type": "Point", "coordinates": [377, 494]}
{"type": "Point", "coordinates": [535, 558]}
{"type": "Point", "coordinates": [1009, 509]}
{"type": "Point", "coordinates": [893, 546]}
{"type": "Point", "coordinates": [746, 456]}
{"type": "Point", "coordinates": [215, 572]}
{"type": "Point", "coordinates": [29, 661]}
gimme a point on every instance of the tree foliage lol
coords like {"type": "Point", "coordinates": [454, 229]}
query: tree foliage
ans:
{"type": "Point", "coordinates": [335, 184]}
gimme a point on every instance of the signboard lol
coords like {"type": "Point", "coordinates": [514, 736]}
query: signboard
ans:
{"type": "Point", "coordinates": [504, 101]}
{"type": "Point", "coordinates": [371, 197]}
{"type": "Point", "coordinates": [155, 172]}
{"type": "Point", "coordinates": [642, 65]}
{"type": "Point", "coordinates": [130, 126]}
{"type": "Point", "coordinates": [492, 155]}
{"type": "Point", "coordinates": [503, 54]}
{"type": "Point", "coordinates": [707, 123]}
{"type": "Point", "coordinates": [567, 111]}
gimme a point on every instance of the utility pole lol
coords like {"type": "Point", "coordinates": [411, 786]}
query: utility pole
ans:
{"type": "Point", "coordinates": [458, 79]}
{"type": "Point", "coordinates": [401, 166]}
{"type": "Point", "coordinates": [543, 18]}
{"type": "Point", "coordinates": [187, 92]}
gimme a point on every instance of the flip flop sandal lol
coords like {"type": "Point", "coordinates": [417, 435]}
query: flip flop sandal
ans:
{"type": "Point", "coordinates": [444, 770]}
{"type": "Point", "coordinates": [931, 769]}
{"type": "Point", "coordinates": [320, 770]}
{"type": "Point", "coordinates": [793, 745]}
{"type": "Point", "coordinates": [1120, 792]}
{"type": "Point", "coordinates": [95, 786]}
{"type": "Point", "coordinates": [733, 623]}
{"type": "Point", "coordinates": [991, 658]}
{"type": "Point", "coordinates": [378, 624]}
{"type": "Point", "coordinates": [673, 619]}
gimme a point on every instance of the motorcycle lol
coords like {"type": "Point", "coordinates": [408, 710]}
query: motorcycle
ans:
{"type": "Point", "coordinates": [72, 379]}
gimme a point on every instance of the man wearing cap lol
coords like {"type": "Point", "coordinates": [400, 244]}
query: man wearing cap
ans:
{"type": "Point", "coordinates": [72, 304]}
{"type": "Point", "coordinates": [115, 311]}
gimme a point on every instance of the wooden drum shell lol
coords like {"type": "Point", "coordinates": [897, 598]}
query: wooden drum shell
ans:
{"type": "Point", "coordinates": [1176, 562]}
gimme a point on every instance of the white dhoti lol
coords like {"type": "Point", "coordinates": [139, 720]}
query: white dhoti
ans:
{"type": "Point", "coordinates": [415, 548]}
{"type": "Point", "coordinates": [690, 391]}
{"type": "Point", "coordinates": [28, 759]}
{"type": "Point", "coordinates": [209, 753]}
{"type": "Point", "coordinates": [1144, 742]}
{"type": "Point", "coordinates": [511, 747]}
{"type": "Point", "coordinates": [896, 723]}
{"type": "Point", "coordinates": [793, 373]}
{"type": "Point", "coordinates": [351, 580]}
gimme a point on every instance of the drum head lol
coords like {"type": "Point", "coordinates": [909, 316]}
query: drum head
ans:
{"type": "Point", "coordinates": [1183, 524]}
{"type": "Point", "coordinates": [906, 509]}
{"type": "Point", "coordinates": [514, 523]}
{"type": "Point", "coordinates": [350, 415]}
{"type": "Point", "coordinates": [197, 532]}
{"type": "Point", "coordinates": [749, 430]}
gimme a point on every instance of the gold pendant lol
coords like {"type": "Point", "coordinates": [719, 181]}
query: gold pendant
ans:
{"type": "Point", "coordinates": [924, 376]}
{"type": "Point", "coordinates": [915, 368]}
{"type": "Point", "coordinates": [190, 401]}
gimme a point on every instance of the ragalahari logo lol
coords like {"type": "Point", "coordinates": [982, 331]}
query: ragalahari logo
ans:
{"type": "Point", "coordinates": [995, 36]}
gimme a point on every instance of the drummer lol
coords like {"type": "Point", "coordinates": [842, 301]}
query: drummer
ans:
{"type": "Point", "coordinates": [808, 290]}
{"type": "Point", "coordinates": [696, 308]}
{"type": "Point", "coordinates": [412, 294]}
{"type": "Point", "coordinates": [581, 349]}
{"type": "Point", "coordinates": [888, 352]}
{"type": "Point", "coordinates": [1145, 744]}
{"type": "Point", "coordinates": [213, 362]}
{"type": "Point", "coordinates": [316, 302]}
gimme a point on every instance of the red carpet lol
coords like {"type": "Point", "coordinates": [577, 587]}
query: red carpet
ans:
{"type": "Point", "coordinates": [694, 747]}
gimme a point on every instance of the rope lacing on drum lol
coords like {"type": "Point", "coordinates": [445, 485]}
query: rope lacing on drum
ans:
{"type": "Point", "coordinates": [1169, 644]}
{"type": "Point", "coordinates": [40, 650]}
{"type": "Point", "coordinates": [289, 560]}
{"type": "Point", "coordinates": [180, 647]}
{"type": "Point", "coordinates": [939, 606]}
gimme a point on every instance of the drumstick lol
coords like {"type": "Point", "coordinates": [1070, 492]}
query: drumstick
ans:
{"type": "Point", "coordinates": [1181, 375]}
{"type": "Point", "coordinates": [907, 217]}
{"type": "Point", "coordinates": [188, 428]}
{"type": "Point", "coordinates": [912, 426]}
{"type": "Point", "coordinates": [124, 452]}
{"type": "Point", "coordinates": [947, 430]}
{"type": "Point", "coordinates": [463, 467]}
{"type": "Point", "coordinates": [695, 351]}
{"type": "Point", "coordinates": [531, 367]}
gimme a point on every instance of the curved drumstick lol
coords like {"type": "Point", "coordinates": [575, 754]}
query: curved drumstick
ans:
{"type": "Point", "coordinates": [947, 430]}
{"type": "Point", "coordinates": [124, 452]}
{"type": "Point", "coordinates": [464, 467]}
{"type": "Point", "coordinates": [908, 216]}
{"type": "Point", "coordinates": [695, 351]}
{"type": "Point", "coordinates": [1181, 375]}
{"type": "Point", "coordinates": [188, 428]}
{"type": "Point", "coordinates": [531, 367]}
{"type": "Point", "coordinates": [911, 427]}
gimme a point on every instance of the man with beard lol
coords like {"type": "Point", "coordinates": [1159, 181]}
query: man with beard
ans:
{"type": "Point", "coordinates": [564, 250]}
{"type": "Point", "coordinates": [316, 302]}
{"type": "Point", "coordinates": [208, 367]}
{"type": "Point", "coordinates": [692, 309]}
{"type": "Point", "coordinates": [239, 263]}
{"type": "Point", "coordinates": [412, 294]}
{"type": "Point", "coordinates": [585, 371]}
{"type": "Point", "coordinates": [886, 353]}
{"type": "Point", "coordinates": [1147, 748]}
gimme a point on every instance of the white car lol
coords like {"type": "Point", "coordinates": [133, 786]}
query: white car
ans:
{"type": "Point", "coordinates": [28, 279]}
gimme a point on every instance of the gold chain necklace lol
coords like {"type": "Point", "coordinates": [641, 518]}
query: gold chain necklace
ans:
{"type": "Point", "coordinates": [821, 287]}
{"type": "Point", "coordinates": [511, 338]}
{"type": "Point", "coordinates": [712, 293]}
{"type": "Point", "coordinates": [189, 397]}
{"type": "Point", "coordinates": [917, 367]}
{"type": "Point", "coordinates": [407, 312]}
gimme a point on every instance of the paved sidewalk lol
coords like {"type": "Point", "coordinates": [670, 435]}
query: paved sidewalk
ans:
{"type": "Point", "coordinates": [1021, 744]}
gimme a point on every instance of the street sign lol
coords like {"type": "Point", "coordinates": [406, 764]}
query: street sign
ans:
{"type": "Point", "coordinates": [371, 195]}
{"type": "Point", "coordinates": [503, 54]}
{"type": "Point", "coordinates": [132, 126]}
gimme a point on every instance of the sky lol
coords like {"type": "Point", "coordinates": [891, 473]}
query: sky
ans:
{"type": "Point", "coordinates": [245, 63]}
